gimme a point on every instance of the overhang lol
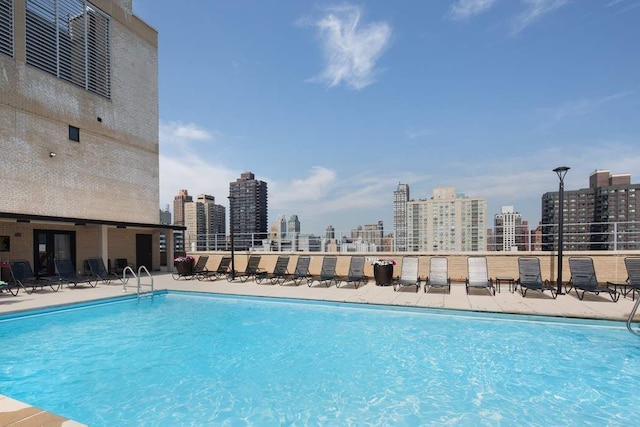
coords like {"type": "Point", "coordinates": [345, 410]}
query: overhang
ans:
{"type": "Point", "coordinates": [84, 221]}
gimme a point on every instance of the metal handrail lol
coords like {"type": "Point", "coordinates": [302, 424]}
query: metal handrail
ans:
{"type": "Point", "coordinates": [631, 316]}
{"type": "Point", "coordinates": [139, 285]}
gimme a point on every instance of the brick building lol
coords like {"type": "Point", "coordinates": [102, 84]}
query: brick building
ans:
{"type": "Point", "coordinates": [79, 134]}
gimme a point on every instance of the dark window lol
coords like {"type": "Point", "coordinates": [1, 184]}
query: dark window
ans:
{"type": "Point", "coordinates": [6, 27]}
{"type": "Point", "coordinates": [74, 133]}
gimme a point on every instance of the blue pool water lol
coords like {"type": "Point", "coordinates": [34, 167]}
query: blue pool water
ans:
{"type": "Point", "coordinates": [188, 359]}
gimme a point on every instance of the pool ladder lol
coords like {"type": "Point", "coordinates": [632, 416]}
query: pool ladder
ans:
{"type": "Point", "coordinates": [138, 286]}
{"type": "Point", "coordinates": [631, 316]}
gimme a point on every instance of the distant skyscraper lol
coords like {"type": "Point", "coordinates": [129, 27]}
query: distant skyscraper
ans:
{"type": "Point", "coordinates": [604, 216]}
{"type": "Point", "coordinates": [178, 206]}
{"type": "Point", "coordinates": [165, 216]}
{"type": "Point", "coordinates": [293, 226]}
{"type": "Point", "coordinates": [448, 222]}
{"type": "Point", "coordinates": [400, 199]}
{"type": "Point", "coordinates": [248, 210]}
{"type": "Point", "coordinates": [509, 231]}
{"type": "Point", "coordinates": [205, 222]}
{"type": "Point", "coordinates": [330, 232]}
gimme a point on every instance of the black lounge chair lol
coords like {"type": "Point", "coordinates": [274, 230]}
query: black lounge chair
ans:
{"type": "Point", "coordinates": [438, 274]}
{"type": "Point", "coordinates": [253, 268]}
{"type": "Point", "coordinates": [583, 278]}
{"type": "Point", "coordinates": [99, 273]}
{"type": "Point", "coordinates": [301, 271]}
{"type": "Point", "coordinates": [120, 265]}
{"type": "Point", "coordinates": [199, 268]}
{"type": "Point", "coordinates": [632, 265]}
{"type": "Point", "coordinates": [279, 274]}
{"type": "Point", "coordinates": [67, 274]}
{"type": "Point", "coordinates": [22, 277]}
{"type": "Point", "coordinates": [478, 275]}
{"type": "Point", "coordinates": [220, 272]}
{"type": "Point", "coordinates": [327, 272]}
{"type": "Point", "coordinates": [530, 277]}
{"type": "Point", "coordinates": [356, 273]}
{"type": "Point", "coordinates": [408, 274]}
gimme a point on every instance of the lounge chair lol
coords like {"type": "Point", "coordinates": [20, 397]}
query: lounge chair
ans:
{"type": "Point", "coordinates": [408, 274]}
{"type": "Point", "coordinates": [279, 273]}
{"type": "Point", "coordinates": [218, 273]}
{"type": "Point", "coordinates": [356, 273]}
{"type": "Point", "coordinates": [478, 275]}
{"type": "Point", "coordinates": [200, 267]}
{"type": "Point", "coordinates": [67, 274]}
{"type": "Point", "coordinates": [633, 276]}
{"type": "Point", "coordinates": [531, 277]}
{"type": "Point", "coordinates": [301, 271]}
{"type": "Point", "coordinates": [327, 272]}
{"type": "Point", "coordinates": [583, 278]}
{"type": "Point", "coordinates": [438, 274]}
{"type": "Point", "coordinates": [99, 273]}
{"type": "Point", "coordinates": [253, 268]}
{"type": "Point", "coordinates": [22, 277]}
{"type": "Point", "coordinates": [120, 265]}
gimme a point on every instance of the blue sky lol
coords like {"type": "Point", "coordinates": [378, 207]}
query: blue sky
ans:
{"type": "Point", "coordinates": [334, 104]}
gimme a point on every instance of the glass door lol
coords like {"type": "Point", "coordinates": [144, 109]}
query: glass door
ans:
{"type": "Point", "coordinates": [50, 245]}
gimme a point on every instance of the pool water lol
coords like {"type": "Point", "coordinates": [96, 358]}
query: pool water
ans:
{"type": "Point", "coordinates": [189, 359]}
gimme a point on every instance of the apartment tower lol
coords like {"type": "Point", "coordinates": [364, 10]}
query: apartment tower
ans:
{"type": "Point", "coordinates": [448, 222]}
{"type": "Point", "coordinates": [601, 217]}
{"type": "Point", "coordinates": [400, 199]}
{"type": "Point", "coordinates": [248, 210]}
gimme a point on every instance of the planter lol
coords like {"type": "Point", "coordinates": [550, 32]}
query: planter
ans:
{"type": "Point", "coordinates": [383, 274]}
{"type": "Point", "coordinates": [184, 268]}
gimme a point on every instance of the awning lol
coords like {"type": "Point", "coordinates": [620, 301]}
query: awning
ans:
{"type": "Point", "coordinates": [84, 221]}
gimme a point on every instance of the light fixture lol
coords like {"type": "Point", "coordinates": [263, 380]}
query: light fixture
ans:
{"type": "Point", "coordinates": [52, 154]}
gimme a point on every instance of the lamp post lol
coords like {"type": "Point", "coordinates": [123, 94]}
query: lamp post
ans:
{"type": "Point", "coordinates": [561, 171]}
{"type": "Point", "coordinates": [233, 258]}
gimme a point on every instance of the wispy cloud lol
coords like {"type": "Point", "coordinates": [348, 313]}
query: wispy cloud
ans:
{"type": "Point", "coordinates": [535, 10]}
{"type": "Point", "coordinates": [315, 186]}
{"type": "Point", "coordinates": [351, 49]}
{"type": "Point", "coordinates": [582, 107]}
{"type": "Point", "coordinates": [176, 133]}
{"type": "Point", "coordinates": [418, 133]}
{"type": "Point", "coordinates": [465, 9]}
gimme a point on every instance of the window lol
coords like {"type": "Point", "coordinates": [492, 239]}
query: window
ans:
{"type": "Point", "coordinates": [6, 27]}
{"type": "Point", "coordinates": [74, 133]}
{"type": "Point", "coordinates": [70, 39]}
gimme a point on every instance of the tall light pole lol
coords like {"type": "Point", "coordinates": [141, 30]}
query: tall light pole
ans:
{"type": "Point", "coordinates": [561, 171]}
{"type": "Point", "coordinates": [233, 258]}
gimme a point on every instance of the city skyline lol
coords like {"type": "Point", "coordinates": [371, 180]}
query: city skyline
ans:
{"type": "Point", "coordinates": [334, 105]}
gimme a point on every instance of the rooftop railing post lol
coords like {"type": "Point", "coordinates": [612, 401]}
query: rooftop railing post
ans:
{"type": "Point", "coordinates": [233, 259]}
{"type": "Point", "coordinates": [561, 172]}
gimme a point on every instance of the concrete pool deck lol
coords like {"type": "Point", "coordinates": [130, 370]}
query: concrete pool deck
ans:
{"type": "Point", "coordinates": [592, 307]}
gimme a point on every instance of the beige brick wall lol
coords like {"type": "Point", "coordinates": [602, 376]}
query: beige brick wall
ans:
{"type": "Point", "coordinates": [609, 265]}
{"type": "Point", "coordinates": [112, 173]}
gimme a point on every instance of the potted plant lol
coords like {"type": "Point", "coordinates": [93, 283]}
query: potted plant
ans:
{"type": "Point", "coordinates": [382, 270]}
{"type": "Point", "coordinates": [184, 264]}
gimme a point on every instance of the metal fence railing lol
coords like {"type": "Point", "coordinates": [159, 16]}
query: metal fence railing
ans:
{"type": "Point", "coordinates": [576, 236]}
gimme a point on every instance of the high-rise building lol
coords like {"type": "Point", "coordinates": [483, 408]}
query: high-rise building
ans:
{"type": "Point", "coordinates": [178, 206]}
{"type": "Point", "coordinates": [448, 222]}
{"type": "Point", "coordinates": [400, 199]}
{"type": "Point", "coordinates": [510, 232]}
{"type": "Point", "coordinates": [248, 210]}
{"type": "Point", "coordinates": [330, 232]}
{"type": "Point", "coordinates": [205, 222]}
{"type": "Point", "coordinates": [604, 216]}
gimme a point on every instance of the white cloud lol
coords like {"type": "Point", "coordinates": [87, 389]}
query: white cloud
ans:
{"type": "Point", "coordinates": [535, 10]}
{"type": "Point", "coordinates": [312, 188]}
{"type": "Point", "coordinates": [351, 49]}
{"type": "Point", "coordinates": [582, 107]}
{"type": "Point", "coordinates": [181, 134]}
{"type": "Point", "coordinates": [465, 9]}
{"type": "Point", "coordinates": [195, 174]}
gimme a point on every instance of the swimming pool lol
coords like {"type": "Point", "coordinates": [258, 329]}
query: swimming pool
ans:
{"type": "Point", "coordinates": [190, 359]}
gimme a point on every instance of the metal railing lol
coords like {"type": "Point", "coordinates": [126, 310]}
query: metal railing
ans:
{"type": "Point", "coordinates": [610, 236]}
